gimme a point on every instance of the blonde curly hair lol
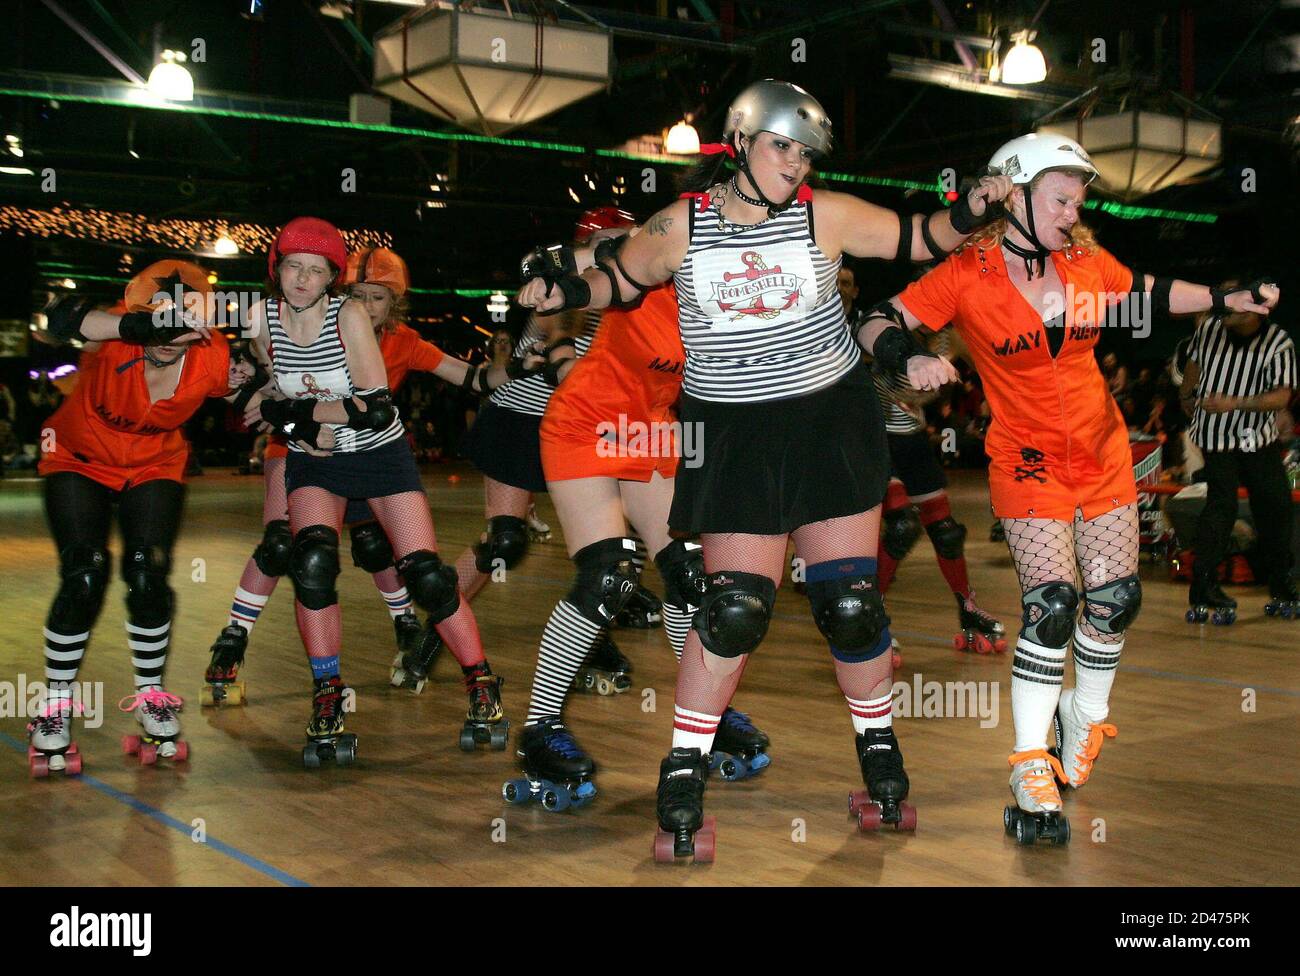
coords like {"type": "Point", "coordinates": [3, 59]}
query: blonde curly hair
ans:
{"type": "Point", "coordinates": [989, 237]}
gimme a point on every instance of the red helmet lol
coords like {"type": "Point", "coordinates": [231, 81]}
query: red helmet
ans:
{"type": "Point", "coordinates": [308, 235]}
{"type": "Point", "coordinates": [601, 218]}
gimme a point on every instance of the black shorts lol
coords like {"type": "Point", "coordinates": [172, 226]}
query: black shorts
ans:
{"type": "Point", "coordinates": [768, 468]}
{"type": "Point", "coordinates": [505, 445]}
{"type": "Point", "coordinates": [915, 463]}
{"type": "Point", "coordinates": [387, 470]}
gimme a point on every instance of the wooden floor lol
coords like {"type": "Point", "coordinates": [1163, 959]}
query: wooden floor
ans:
{"type": "Point", "coordinates": [1194, 791]}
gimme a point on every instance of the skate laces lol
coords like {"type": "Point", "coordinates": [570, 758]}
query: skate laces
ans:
{"type": "Point", "coordinates": [738, 721]}
{"type": "Point", "coordinates": [160, 704]}
{"type": "Point", "coordinates": [328, 696]}
{"type": "Point", "coordinates": [1091, 748]}
{"type": "Point", "coordinates": [970, 607]}
{"type": "Point", "coordinates": [561, 742]}
{"type": "Point", "coordinates": [50, 718]}
{"type": "Point", "coordinates": [1037, 782]}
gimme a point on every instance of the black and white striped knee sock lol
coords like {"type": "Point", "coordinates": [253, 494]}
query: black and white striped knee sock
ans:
{"type": "Point", "coordinates": [566, 642]}
{"type": "Point", "coordinates": [63, 654]}
{"type": "Point", "coordinates": [148, 652]}
{"type": "Point", "coordinates": [1094, 673]}
{"type": "Point", "coordinates": [1036, 676]}
{"type": "Point", "coordinates": [677, 624]}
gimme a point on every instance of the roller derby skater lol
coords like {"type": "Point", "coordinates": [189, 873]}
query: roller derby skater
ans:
{"type": "Point", "coordinates": [160, 728]}
{"type": "Point", "coordinates": [1065, 522]}
{"type": "Point", "coordinates": [1206, 600]}
{"type": "Point", "coordinates": [557, 773]}
{"type": "Point", "coordinates": [739, 749]}
{"type": "Point", "coordinates": [221, 680]}
{"type": "Point", "coordinates": [758, 420]}
{"type": "Point", "coordinates": [606, 672]}
{"type": "Point", "coordinates": [485, 723]}
{"type": "Point", "coordinates": [881, 803]}
{"type": "Point", "coordinates": [326, 739]}
{"type": "Point", "coordinates": [148, 366]}
{"type": "Point", "coordinates": [416, 658]}
{"type": "Point", "coordinates": [980, 631]}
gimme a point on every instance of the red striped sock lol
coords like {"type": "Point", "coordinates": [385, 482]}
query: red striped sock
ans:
{"type": "Point", "coordinates": [874, 713]}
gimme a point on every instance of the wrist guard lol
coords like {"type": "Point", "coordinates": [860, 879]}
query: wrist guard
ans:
{"type": "Point", "coordinates": [284, 415]}
{"type": "Point", "coordinates": [250, 386]}
{"type": "Point", "coordinates": [894, 347]}
{"type": "Point", "coordinates": [379, 413]}
{"type": "Point", "coordinates": [576, 292]}
{"type": "Point", "coordinates": [551, 263]}
{"type": "Point", "coordinates": [65, 315]}
{"type": "Point", "coordinates": [963, 220]}
{"type": "Point", "coordinates": [153, 328]}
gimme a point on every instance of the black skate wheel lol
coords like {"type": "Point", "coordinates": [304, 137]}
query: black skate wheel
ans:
{"type": "Point", "coordinates": [1026, 830]}
{"type": "Point", "coordinates": [1062, 833]}
{"type": "Point", "coordinates": [499, 737]}
{"type": "Point", "coordinates": [345, 753]}
{"type": "Point", "coordinates": [310, 757]}
{"type": "Point", "coordinates": [467, 739]}
{"type": "Point", "coordinates": [1008, 821]}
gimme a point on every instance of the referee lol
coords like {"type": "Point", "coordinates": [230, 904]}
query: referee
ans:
{"type": "Point", "coordinates": [1241, 371]}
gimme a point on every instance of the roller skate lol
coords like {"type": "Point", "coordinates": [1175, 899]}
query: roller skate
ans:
{"type": "Point", "coordinates": [1207, 601]}
{"type": "Point", "coordinates": [49, 741]}
{"type": "Point", "coordinates": [1036, 815]}
{"type": "Point", "coordinates": [1078, 742]}
{"type": "Point", "coordinates": [221, 684]}
{"type": "Point", "coordinates": [980, 632]}
{"type": "Point", "coordinates": [684, 830]}
{"type": "Point", "coordinates": [557, 772]}
{"type": "Point", "coordinates": [739, 749]}
{"type": "Point", "coordinates": [1283, 601]}
{"type": "Point", "coordinates": [606, 671]}
{"type": "Point", "coordinates": [538, 531]}
{"type": "Point", "coordinates": [326, 739]}
{"type": "Point", "coordinates": [155, 710]}
{"type": "Point", "coordinates": [485, 724]}
{"type": "Point", "coordinates": [887, 784]}
{"type": "Point", "coordinates": [997, 532]}
{"type": "Point", "coordinates": [417, 655]}
{"type": "Point", "coordinates": [643, 611]}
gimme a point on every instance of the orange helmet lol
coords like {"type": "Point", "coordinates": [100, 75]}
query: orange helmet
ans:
{"type": "Point", "coordinates": [143, 292]}
{"type": "Point", "coordinates": [378, 266]}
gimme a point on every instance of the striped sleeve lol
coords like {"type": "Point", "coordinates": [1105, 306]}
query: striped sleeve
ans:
{"type": "Point", "coordinates": [1281, 372]}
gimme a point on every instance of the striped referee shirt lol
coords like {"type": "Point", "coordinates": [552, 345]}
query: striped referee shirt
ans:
{"type": "Point", "coordinates": [531, 394]}
{"type": "Point", "coordinates": [1264, 362]}
{"type": "Point", "coordinates": [761, 317]}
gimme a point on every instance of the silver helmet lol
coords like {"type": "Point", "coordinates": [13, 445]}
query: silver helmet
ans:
{"type": "Point", "coordinates": [780, 107]}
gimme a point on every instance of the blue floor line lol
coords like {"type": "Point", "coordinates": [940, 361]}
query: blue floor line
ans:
{"type": "Point", "coordinates": [141, 807]}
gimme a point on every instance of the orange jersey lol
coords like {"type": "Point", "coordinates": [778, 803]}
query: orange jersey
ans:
{"type": "Point", "coordinates": [109, 431]}
{"type": "Point", "coordinates": [614, 415]}
{"type": "Point", "coordinates": [404, 352]}
{"type": "Point", "coordinates": [1057, 441]}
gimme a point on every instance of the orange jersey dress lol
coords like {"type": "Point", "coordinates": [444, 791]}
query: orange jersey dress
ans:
{"type": "Point", "coordinates": [615, 415]}
{"type": "Point", "coordinates": [1057, 442]}
{"type": "Point", "coordinates": [404, 351]}
{"type": "Point", "coordinates": [108, 431]}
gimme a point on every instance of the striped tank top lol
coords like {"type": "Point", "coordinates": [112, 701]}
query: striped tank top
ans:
{"type": "Point", "coordinates": [531, 394]}
{"type": "Point", "coordinates": [903, 416]}
{"type": "Point", "coordinates": [320, 371]}
{"type": "Point", "coordinates": [761, 318]}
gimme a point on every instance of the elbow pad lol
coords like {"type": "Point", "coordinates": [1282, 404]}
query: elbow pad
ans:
{"type": "Point", "coordinates": [380, 411]}
{"type": "Point", "coordinates": [64, 317]}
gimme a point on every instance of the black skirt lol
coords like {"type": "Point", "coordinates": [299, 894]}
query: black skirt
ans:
{"type": "Point", "coordinates": [505, 445]}
{"type": "Point", "coordinates": [387, 470]}
{"type": "Point", "coordinates": [768, 468]}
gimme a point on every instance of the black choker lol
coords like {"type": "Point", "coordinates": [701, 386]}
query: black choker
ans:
{"type": "Point", "coordinates": [305, 307]}
{"type": "Point", "coordinates": [161, 363]}
{"type": "Point", "coordinates": [1035, 260]}
{"type": "Point", "coordinates": [735, 188]}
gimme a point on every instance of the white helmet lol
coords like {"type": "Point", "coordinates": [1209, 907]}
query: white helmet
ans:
{"type": "Point", "coordinates": [1025, 157]}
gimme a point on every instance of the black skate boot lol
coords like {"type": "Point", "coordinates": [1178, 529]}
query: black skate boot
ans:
{"type": "Point", "coordinates": [684, 830]}
{"type": "Point", "coordinates": [643, 611]}
{"type": "Point", "coordinates": [887, 784]}
{"type": "Point", "coordinates": [485, 724]}
{"type": "Point", "coordinates": [606, 671]}
{"type": "Point", "coordinates": [981, 632]}
{"type": "Point", "coordinates": [739, 748]}
{"type": "Point", "coordinates": [419, 647]}
{"type": "Point", "coordinates": [221, 684]}
{"type": "Point", "coordinates": [1283, 600]}
{"type": "Point", "coordinates": [558, 773]}
{"type": "Point", "coordinates": [1207, 601]}
{"type": "Point", "coordinates": [326, 739]}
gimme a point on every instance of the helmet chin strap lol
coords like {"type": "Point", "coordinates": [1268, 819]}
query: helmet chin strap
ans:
{"type": "Point", "coordinates": [742, 163]}
{"type": "Point", "coordinates": [304, 308]}
{"type": "Point", "coordinates": [1035, 258]}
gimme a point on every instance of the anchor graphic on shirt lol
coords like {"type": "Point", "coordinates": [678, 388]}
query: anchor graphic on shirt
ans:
{"type": "Point", "coordinates": [746, 292]}
{"type": "Point", "coordinates": [310, 389]}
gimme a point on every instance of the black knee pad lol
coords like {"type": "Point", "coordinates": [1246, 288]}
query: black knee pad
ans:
{"type": "Point", "coordinates": [371, 550]}
{"type": "Point", "coordinates": [681, 564]}
{"type": "Point", "coordinates": [850, 613]}
{"type": "Point", "coordinates": [606, 578]}
{"type": "Point", "coordinates": [898, 534]}
{"type": "Point", "coordinates": [1113, 606]}
{"type": "Point", "coordinates": [272, 553]}
{"type": "Point", "coordinates": [84, 572]}
{"type": "Point", "coordinates": [314, 566]}
{"type": "Point", "coordinates": [948, 536]}
{"type": "Point", "coordinates": [734, 612]}
{"type": "Point", "coordinates": [148, 597]}
{"type": "Point", "coordinates": [433, 585]}
{"type": "Point", "coordinates": [507, 540]}
{"type": "Point", "coordinates": [1049, 612]}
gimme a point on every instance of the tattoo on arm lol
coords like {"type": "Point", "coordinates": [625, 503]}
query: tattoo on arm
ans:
{"type": "Point", "coordinates": [658, 225]}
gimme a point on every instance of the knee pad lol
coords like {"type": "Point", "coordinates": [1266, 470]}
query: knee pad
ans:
{"type": "Point", "coordinates": [606, 578]}
{"type": "Point", "coordinates": [899, 532]}
{"type": "Point", "coordinates": [433, 585]}
{"type": "Point", "coordinates": [734, 612]}
{"type": "Point", "coordinates": [148, 597]}
{"type": "Point", "coordinates": [507, 540]}
{"type": "Point", "coordinates": [1049, 611]}
{"type": "Point", "coordinates": [370, 547]}
{"type": "Point", "coordinates": [850, 612]}
{"type": "Point", "coordinates": [272, 553]}
{"type": "Point", "coordinates": [314, 566]}
{"type": "Point", "coordinates": [681, 564]}
{"type": "Point", "coordinates": [1113, 606]}
{"type": "Point", "coordinates": [84, 572]}
{"type": "Point", "coordinates": [948, 536]}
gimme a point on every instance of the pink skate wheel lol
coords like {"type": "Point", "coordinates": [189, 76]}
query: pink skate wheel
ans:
{"type": "Point", "coordinates": [40, 765]}
{"type": "Point", "coordinates": [857, 800]}
{"type": "Point", "coordinates": [868, 817]}
{"type": "Point", "coordinates": [959, 642]}
{"type": "Point", "coordinates": [706, 839]}
{"type": "Point", "coordinates": [148, 754]}
{"type": "Point", "coordinates": [907, 819]}
{"type": "Point", "coordinates": [32, 752]}
{"type": "Point", "coordinates": [983, 645]}
{"type": "Point", "coordinates": [130, 744]}
{"type": "Point", "coordinates": [182, 751]}
{"type": "Point", "coordinates": [1001, 645]}
{"type": "Point", "coordinates": [663, 848]}
{"type": "Point", "coordinates": [74, 762]}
